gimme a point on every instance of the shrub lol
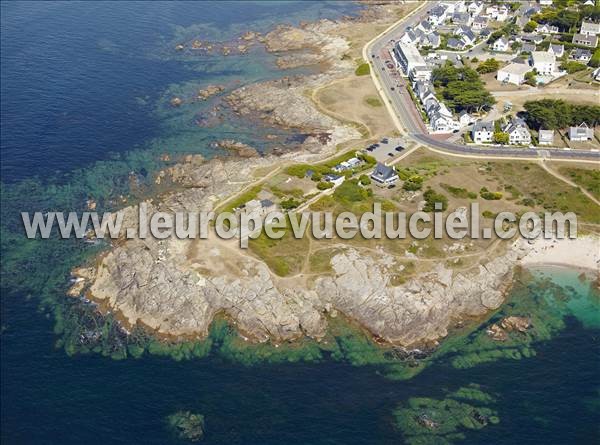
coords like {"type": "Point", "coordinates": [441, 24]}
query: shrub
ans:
{"type": "Point", "coordinates": [431, 198]}
{"type": "Point", "coordinates": [572, 67]}
{"type": "Point", "coordinates": [363, 69]}
{"type": "Point", "coordinates": [324, 185]}
{"type": "Point", "coordinates": [489, 196]}
{"type": "Point", "coordinates": [413, 183]}
{"type": "Point", "coordinates": [364, 180]}
{"type": "Point", "coordinates": [501, 138]}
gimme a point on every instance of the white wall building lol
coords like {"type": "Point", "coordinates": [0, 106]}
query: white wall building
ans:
{"type": "Point", "coordinates": [500, 45]}
{"type": "Point", "coordinates": [543, 61]}
{"type": "Point", "coordinates": [518, 132]}
{"type": "Point", "coordinates": [513, 73]}
{"type": "Point", "coordinates": [412, 63]}
{"type": "Point", "coordinates": [483, 132]}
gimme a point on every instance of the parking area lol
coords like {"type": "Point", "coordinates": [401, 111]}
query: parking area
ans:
{"type": "Point", "coordinates": [386, 149]}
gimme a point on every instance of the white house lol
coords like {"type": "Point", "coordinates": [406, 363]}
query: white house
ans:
{"type": "Point", "coordinates": [334, 179]}
{"type": "Point", "coordinates": [581, 55]}
{"type": "Point", "coordinates": [544, 62]}
{"type": "Point", "coordinates": [475, 8]}
{"type": "Point", "coordinates": [589, 28]}
{"type": "Point", "coordinates": [585, 40]}
{"type": "Point", "coordinates": [546, 29]}
{"type": "Point", "coordinates": [546, 2]}
{"type": "Point", "coordinates": [581, 133]}
{"type": "Point", "coordinates": [479, 23]}
{"type": "Point", "coordinates": [425, 27]}
{"type": "Point", "coordinates": [437, 15]}
{"type": "Point", "coordinates": [441, 123]}
{"type": "Point", "coordinates": [462, 18]}
{"type": "Point", "coordinates": [518, 133]}
{"type": "Point", "coordinates": [466, 34]}
{"type": "Point", "coordinates": [465, 119]}
{"type": "Point", "coordinates": [482, 132]}
{"type": "Point", "coordinates": [513, 73]}
{"type": "Point", "coordinates": [384, 175]}
{"type": "Point", "coordinates": [500, 45]}
{"type": "Point", "coordinates": [546, 137]}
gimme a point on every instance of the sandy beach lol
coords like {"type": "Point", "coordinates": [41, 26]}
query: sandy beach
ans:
{"type": "Point", "coordinates": [582, 252]}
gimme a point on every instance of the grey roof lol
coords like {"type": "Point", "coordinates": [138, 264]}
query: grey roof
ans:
{"type": "Point", "coordinates": [485, 32]}
{"type": "Point", "coordinates": [480, 19]}
{"type": "Point", "coordinates": [483, 126]}
{"type": "Point", "coordinates": [591, 40]}
{"type": "Point", "coordinates": [434, 39]}
{"type": "Point", "coordinates": [515, 124]}
{"type": "Point", "coordinates": [455, 43]}
{"type": "Point", "coordinates": [580, 53]}
{"type": "Point", "coordinates": [331, 177]}
{"type": "Point", "coordinates": [580, 131]}
{"type": "Point", "coordinates": [426, 25]}
{"type": "Point", "coordinates": [470, 34]}
{"type": "Point", "coordinates": [438, 11]}
{"type": "Point", "coordinates": [266, 203]}
{"type": "Point", "coordinates": [528, 47]}
{"type": "Point", "coordinates": [461, 17]}
{"type": "Point", "coordinates": [557, 49]}
{"type": "Point", "coordinates": [383, 172]}
{"type": "Point", "coordinates": [532, 38]}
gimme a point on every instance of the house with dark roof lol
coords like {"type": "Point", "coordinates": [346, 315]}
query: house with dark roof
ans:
{"type": "Point", "coordinates": [384, 175]}
{"type": "Point", "coordinates": [482, 132]}
{"type": "Point", "coordinates": [454, 43]}
{"type": "Point", "coordinates": [557, 50]}
{"type": "Point", "coordinates": [581, 55]}
{"type": "Point", "coordinates": [518, 132]}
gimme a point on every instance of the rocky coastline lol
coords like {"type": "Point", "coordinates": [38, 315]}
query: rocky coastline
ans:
{"type": "Point", "coordinates": [177, 287]}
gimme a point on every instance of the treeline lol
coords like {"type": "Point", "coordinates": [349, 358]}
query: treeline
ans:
{"type": "Point", "coordinates": [461, 88]}
{"type": "Point", "coordinates": [553, 114]}
{"type": "Point", "coordinates": [567, 19]}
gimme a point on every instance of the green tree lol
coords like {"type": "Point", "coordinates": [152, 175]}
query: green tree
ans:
{"type": "Point", "coordinates": [489, 66]}
{"type": "Point", "coordinates": [530, 78]}
{"type": "Point", "coordinates": [501, 138]}
{"type": "Point", "coordinates": [530, 26]}
{"type": "Point", "coordinates": [572, 67]}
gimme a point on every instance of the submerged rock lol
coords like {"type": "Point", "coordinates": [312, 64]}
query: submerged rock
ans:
{"type": "Point", "coordinates": [187, 425]}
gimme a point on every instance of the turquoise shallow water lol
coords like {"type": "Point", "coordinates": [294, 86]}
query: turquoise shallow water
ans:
{"type": "Point", "coordinates": [83, 84]}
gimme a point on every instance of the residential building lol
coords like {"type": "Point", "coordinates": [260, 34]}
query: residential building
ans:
{"type": "Point", "coordinates": [557, 50]}
{"type": "Point", "coordinates": [546, 29]}
{"type": "Point", "coordinates": [443, 124]}
{"type": "Point", "coordinates": [466, 34]}
{"type": "Point", "coordinates": [479, 23]}
{"type": "Point", "coordinates": [544, 62]}
{"type": "Point", "coordinates": [456, 44]}
{"type": "Point", "coordinates": [425, 27]}
{"type": "Point", "coordinates": [500, 45]}
{"type": "Point", "coordinates": [546, 137]}
{"type": "Point", "coordinates": [528, 48]}
{"type": "Point", "coordinates": [586, 40]}
{"type": "Point", "coordinates": [347, 165]}
{"type": "Point", "coordinates": [581, 55]}
{"type": "Point", "coordinates": [432, 40]}
{"type": "Point", "coordinates": [334, 179]}
{"type": "Point", "coordinates": [596, 74]}
{"type": "Point", "coordinates": [531, 38]}
{"type": "Point", "coordinates": [589, 28]}
{"type": "Point", "coordinates": [411, 61]}
{"type": "Point", "coordinates": [465, 119]}
{"type": "Point", "coordinates": [409, 37]}
{"type": "Point", "coordinates": [437, 15]}
{"type": "Point", "coordinates": [518, 132]}
{"type": "Point", "coordinates": [259, 207]}
{"type": "Point", "coordinates": [546, 2]}
{"type": "Point", "coordinates": [513, 73]}
{"type": "Point", "coordinates": [581, 133]}
{"type": "Point", "coordinates": [384, 175]}
{"type": "Point", "coordinates": [589, 3]}
{"type": "Point", "coordinates": [475, 8]}
{"type": "Point", "coordinates": [483, 132]}
{"type": "Point", "coordinates": [462, 18]}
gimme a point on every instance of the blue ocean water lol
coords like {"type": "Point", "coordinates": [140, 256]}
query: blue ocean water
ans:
{"type": "Point", "coordinates": [82, 81]}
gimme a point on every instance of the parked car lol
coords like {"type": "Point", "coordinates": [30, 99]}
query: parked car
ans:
{"type": "Point", "coordinates": [399, 148]}
{"type": "Point", "coordinates": [390, 154]}
{"type": "Point", "coordinates": [385, 140]}
{"type": "Point", "coordinates": [392, 88]}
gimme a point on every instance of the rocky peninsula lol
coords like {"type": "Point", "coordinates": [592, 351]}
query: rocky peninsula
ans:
{"type": "Point", "coordinates": [176, 287]}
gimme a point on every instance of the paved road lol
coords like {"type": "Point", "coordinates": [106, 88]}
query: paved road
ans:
{"type": "Point", "coordinates": [394, 88]}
